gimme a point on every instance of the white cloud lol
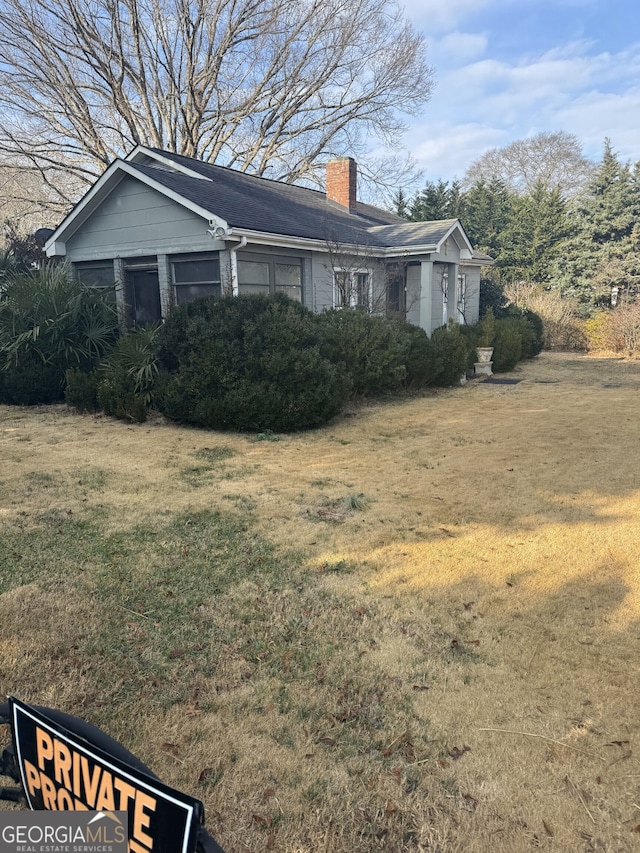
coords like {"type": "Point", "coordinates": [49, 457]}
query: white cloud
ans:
{"type": "Point", "coordinates": [489, 103]}
{"type": "Point", "coordinates": [442, 15]}
{"type": "Point", "coordinates": [444, 150]}
{"type": "Point", "coordinates": [457, 47]}
{"type": "Point", "coordinates": [438, 16]}
{"type": "Point", "coordinates": [596, 115]}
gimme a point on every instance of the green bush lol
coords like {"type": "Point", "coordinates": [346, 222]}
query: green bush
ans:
{"type": "Point", "coordinates": [117, 398]}
{"type": "Point", "coordinates": [372, 349]}
{"type": "Point", "coordinates": [507, 350]}
{"type": "Point", "coordinates": [49, 323]}
{"type": "Point", "coordinates": [471, 335]}
{"type": "Point", "coordinates": [248, 362]}
{"type": "Point", "coordinates": [527, 325]}
{"type": "Point", "coordinates": [81, 390]}
{"type": "Point", "coordinates": [452, 354]}
{"type": "Point", "coordinates": [128, 375]}
{"type": "Point", "coordinates": [533, 342]}
{"type": "Point", "coordinates": [30, 381]}
{"type": "Point", "coordinates": [420, 357]}
{"type": "Point", "coordinates": [492, 296]}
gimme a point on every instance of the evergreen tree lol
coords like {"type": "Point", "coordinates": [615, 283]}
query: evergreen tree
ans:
{"type": "Point", "coordinates": [485, 212]}
{"type": "Point", "coordinates": [400, 204]}
{"type": "Point", "coordinates": [604, 250]}
{"type": "Point", "coordinates": [532, 238]}
{"type": "Point", "coordinates": [437, 201]}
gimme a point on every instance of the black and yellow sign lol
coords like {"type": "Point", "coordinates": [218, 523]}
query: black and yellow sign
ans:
{"type": "Point", "coordinates": [62, 771]}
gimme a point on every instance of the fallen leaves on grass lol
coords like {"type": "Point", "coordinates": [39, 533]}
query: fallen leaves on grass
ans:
{"type": "Point", "coordinates": [457, 753]}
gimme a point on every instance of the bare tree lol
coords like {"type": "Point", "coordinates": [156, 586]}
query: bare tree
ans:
{"type": "Point", "coordinates": [24, 199]}
{"type": "Point", "coordinates": [362, 280]}
{"type": "Point", "coordinates": [271, 87]}
{"type": "Point", "coordinates": [555, 159]}
{"type": "Point", "coordinates": [356, 276]}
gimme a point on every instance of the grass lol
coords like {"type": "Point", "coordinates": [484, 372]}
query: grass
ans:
{"type": "Point", "coordinates": [452, 666]}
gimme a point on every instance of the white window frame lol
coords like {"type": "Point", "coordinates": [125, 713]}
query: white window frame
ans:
{"type": "Point", "coordinates": [353, 288]}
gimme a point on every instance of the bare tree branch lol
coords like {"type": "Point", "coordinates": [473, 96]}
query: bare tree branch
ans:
{"type": "Point", "coordinates": [272, 87]}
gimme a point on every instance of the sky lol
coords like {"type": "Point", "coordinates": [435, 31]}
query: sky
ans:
{"type": "Point", "coordinates": [509, 69]}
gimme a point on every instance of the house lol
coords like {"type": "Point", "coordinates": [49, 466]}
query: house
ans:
{"type": "Point", "coordinates": [168, 228]}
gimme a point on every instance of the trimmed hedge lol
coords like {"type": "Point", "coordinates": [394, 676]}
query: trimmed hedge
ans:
{"type": "Point", "coordinates": [452, 353]}
{"type": "Point", "coordinates": [29, 381]}
{"type": "Point", "coordinates": [370, 349]}
{"type": "Point", "coordinates": [249, 363]}
{"type": "Point", "coordinates": [517, 334]}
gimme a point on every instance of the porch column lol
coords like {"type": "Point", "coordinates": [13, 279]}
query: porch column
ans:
{"type": "Point", "coordinates": [426, 296]}
{"type": "Point", "coordinates": [164, 284]}
{"type": "Point", "coordinates": [119, 279]}
{"type": "Point", "coordinates": [228, 273]}
{"type": "Point", "coordinates": [452, 292]}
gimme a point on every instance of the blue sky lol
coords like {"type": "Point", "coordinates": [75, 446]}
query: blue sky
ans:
{"type": "Point", "coordinates": [508, 69]}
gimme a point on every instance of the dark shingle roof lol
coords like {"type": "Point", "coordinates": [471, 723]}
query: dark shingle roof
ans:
{"type": "Point", "coordinates": [259, 204]}
{"type": "Point", "coordinates": [407, 234]}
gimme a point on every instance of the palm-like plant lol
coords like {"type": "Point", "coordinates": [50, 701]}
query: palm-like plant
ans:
{"type": "Point", "coordinates": [49, 322]}
{"type": "Point", "coordinates": [135, 360]}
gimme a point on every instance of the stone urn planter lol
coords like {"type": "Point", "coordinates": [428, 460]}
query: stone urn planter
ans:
{"type": "Point", "coordinates": [483, 366]}
{"type": "Point", "coordinates": [484, 354]}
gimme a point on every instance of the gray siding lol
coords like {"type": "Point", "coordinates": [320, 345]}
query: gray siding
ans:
{"type": "Point", "coordinates": [137, 220]}
{"type": "Point", "coordinates": [322, 272]}
{"type": "Point", "coordinates": [323, 265]}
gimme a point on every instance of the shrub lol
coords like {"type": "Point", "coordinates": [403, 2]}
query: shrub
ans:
{"type": "Point", "coordinates": [507, 350]}
{"type": "Point", "coordinates": [29, 381]}
{"type": "Point", "coordinates": [128, 375]}
{"type": "Point", "coordinates": [420, 358]}
{"type": "Point", "coordinates": [117, 398]}
{"type": "Point", "coordinates": [562, 328]}
{"type": "Point", "coordinates": [248, 362]}
{"type": "Point", "coordinates": [615, 330]}
{"type": "Point", "coordinates": [373, 350]}
{"type": "Point", "coordinates": [625, 325]}
{"type": "Point", "coordinates": [533, 339]}
{"type": "Point", "coordinates": [81, 390]}
{"type": "Point", "coordinates": [492, 296]}
{"type": "Point", "coordinates": [598, 331]}
{"type": "Point", "coordinates": [49, 323]}
{"type": "Point", "coordinates": [487, 329]}
{"type": "Point", "coordinates": [452, 354]}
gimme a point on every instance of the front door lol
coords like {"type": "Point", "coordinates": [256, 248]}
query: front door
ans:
{"type": "Point", "coordinates": [145, 297]}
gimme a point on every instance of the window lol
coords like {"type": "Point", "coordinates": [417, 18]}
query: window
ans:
{"type": "Point", "coordinates": [352, 289]}
{"type": "Point", "coordinates": [194, 277]}
{"type": "Point", "coordinates": [99, 275]}
{"type": "Point", "coordinates": [261, 274]}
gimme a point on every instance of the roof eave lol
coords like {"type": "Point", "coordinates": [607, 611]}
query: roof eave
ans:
{"type": "Point", "coordinates": [404, 251]}
{"type": "Point", "coordinates": [478, 262]}
{"type": "Point", "coordinates": [269, 238]}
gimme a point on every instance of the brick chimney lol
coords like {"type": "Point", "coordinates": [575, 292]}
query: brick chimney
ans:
{"type": "Point", "coordinates": [342, 177]}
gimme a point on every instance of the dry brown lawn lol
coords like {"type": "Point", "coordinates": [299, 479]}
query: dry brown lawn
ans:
{"type": "Point", "coordinates": [417, 629]}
